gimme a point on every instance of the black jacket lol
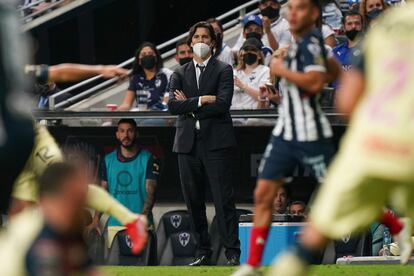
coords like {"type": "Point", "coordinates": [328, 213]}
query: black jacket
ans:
{"type": "Point", "coordinates": [215, 121]}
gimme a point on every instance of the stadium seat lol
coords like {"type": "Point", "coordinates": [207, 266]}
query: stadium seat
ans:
{"type": "Point", "coordinates": [120, 251]}
{"type": "Point", "coordinates": [218, 257]}
{"type": "Point", "coordinates": [96, 247]}
{"type": "Point", "coordinates": [180, 249]}
{"type": "Point", "coordinates": [349, 246]}
{"type": "Point", "coordinates": [170, 223]}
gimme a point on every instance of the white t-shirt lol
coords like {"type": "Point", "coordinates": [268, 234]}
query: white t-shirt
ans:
{"type": "Point", "coordinates": [226, 55]}
{"type": "Point", "coordinates": [280, 29]}
{"type": "Point", "coordinates": [259, 76]}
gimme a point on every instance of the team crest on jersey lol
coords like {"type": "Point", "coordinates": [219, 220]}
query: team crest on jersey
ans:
{"type": "Point", "coordinates": [346, 238]}
{"type": "Point", "coordinates": [314, 49]}
{"type": "Point", "coordinates": [157, 83]}
{"type": "Point", "coordinates": [184, 238]}
{"type": "Point", "coordinates": [175, 220]}
{"type": "Point", "coordinates": [128, 241]}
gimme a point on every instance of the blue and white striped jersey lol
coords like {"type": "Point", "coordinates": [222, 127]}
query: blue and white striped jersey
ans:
{"type": "Point", "coordinates": [301, 117]}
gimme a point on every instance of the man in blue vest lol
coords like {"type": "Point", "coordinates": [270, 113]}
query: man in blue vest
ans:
{"type": "Point", "coordinates": [131, 175]}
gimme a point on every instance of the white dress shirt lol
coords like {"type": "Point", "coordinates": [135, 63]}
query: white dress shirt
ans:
{"type": "Point", "coordinates": [198, 72]}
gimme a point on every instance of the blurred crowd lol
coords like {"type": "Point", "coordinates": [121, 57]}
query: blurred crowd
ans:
{"type": "Point", "coordinates": [263, 36]}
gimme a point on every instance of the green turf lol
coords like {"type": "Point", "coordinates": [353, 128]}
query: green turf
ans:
{"type": "Point", "coordinates": [222, 271]}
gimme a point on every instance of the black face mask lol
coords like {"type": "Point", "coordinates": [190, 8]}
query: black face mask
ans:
{"type": "Point", "coordinates": [249, 58]}
{"type": "Point", "coordinates": [185, 60]}
{"type": "Point", "coordinates": [148, 62]}
{"type": "Point", "coordinates": [352, 34]}
{"type": "Point", "coordinates": [254, 35]}
{"type": "Point", "coordinates": [219, 41]}
{"type": "Point", "coordinates": [270, 12]}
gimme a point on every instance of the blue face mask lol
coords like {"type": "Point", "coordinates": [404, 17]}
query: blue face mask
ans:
{"type": "Point", "coordinates": [374, 13]}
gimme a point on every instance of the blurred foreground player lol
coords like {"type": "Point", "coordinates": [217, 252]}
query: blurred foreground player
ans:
{"type": "Point", "coordinates": [46, 152]}
{"type": "Point", "coordinates": [302, 134]}
{"type": "Point", "coordinates": [378, 148]}
{"type": "Point", "coordinates": [16, 131]}
{"type": "Point", "coordinates": [47, 239]}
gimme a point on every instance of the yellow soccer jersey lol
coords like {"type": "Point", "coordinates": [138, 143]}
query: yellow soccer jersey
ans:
{"type": "Point", "coordinates": [45, 152]}
{"type": "Point", "coordinates": [382, 127]}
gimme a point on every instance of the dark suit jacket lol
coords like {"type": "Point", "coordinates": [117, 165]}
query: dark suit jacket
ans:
{"type": "Point", "coordinates": [215, 122]}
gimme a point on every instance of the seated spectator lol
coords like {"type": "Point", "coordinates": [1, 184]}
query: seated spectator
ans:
{"type": "Point", "coordinates": [253, 28]}
{"type": "Point", "coordinates": [353, 5]}
{"type": "Point", "coordinates": [131, 175]}
{"type": "Point", "coordinates": [297, 208]}
{"type": "Point", "coordinates": [148, 75]}
{"type": "Point", "coordinates": [370, 10]}
{"type": "Point", "coordinates": [352, 28]}
{"type": "Point", "coordinates": [281, 201]}
{"type": "Point", "coordinates": [249, 75]}
{"type": "Point", "coordinates": [183, 52]}
{"type": "Point", "coordinates": [331, 14]}
{"type": "Point", "coordinates": [222, 50]}
{"type": "Point", "coordinates": [275, 27]}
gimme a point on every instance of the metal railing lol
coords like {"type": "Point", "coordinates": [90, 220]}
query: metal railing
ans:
{"type": "Point", "coordinates": [46, 9]}
{"type": "Point", "coordinates": [241, 10]}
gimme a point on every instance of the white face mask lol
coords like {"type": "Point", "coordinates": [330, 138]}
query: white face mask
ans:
{"type": "Point", "coordinates": [201, 50]}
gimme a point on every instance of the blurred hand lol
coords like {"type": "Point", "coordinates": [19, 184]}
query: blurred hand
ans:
{"type": "Point", "coordinates": [239, 83]}
{"type": "Point", "coordinates": [271, 95]}
{"type": "Point", "coordinates": [110, 71]}
{"type": "Point", "coordinates": [277, 66]}
{"type": "Point", "coordinates": [179, 95]}
{"type": "Point", "coordinates": [207, 99]}
{"type": "Point", "coordinates": [266, 24]}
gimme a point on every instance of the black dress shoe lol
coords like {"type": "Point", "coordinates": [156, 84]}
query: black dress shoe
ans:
{"type": "Point", "coordinates": [202, 260]}
{"type": "Point", "coordinates": [233, 260]}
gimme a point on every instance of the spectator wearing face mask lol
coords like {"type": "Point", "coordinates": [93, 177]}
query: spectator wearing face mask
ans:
{"type": "Point", "coordinates": [222, 50]}
{"type": "Point", "coordinates": [253, 28]}
{"type": "Point", "coordinates": [149, 75]}
{"type": "Point", "coordinates": [370, 10]}
{"type": "Point", "coordinates": [352, 28]}
{"type": "Point", "coordinates": [275, 26]}
{"type": "Point", "coordinates": [183, 52]}
{"type": "Point", "coordinates": [249, 75]}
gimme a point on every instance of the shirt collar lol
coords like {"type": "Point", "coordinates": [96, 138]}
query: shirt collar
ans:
{"type": "Point", "coordinates": [204, 63]}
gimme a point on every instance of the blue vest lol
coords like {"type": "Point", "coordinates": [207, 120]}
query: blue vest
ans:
{"type": "Point", "coordinates": [126, 181]}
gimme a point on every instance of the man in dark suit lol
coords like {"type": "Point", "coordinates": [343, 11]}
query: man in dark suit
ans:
{"type": "Point", "coordinates": [200, 93]}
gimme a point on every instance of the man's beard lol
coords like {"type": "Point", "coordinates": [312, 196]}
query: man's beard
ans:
{"type": "Point", "coordinates": [128, 145]}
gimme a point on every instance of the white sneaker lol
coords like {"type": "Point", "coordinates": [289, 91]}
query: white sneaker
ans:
{"type": "Point", "coordinates": [288, 264]}
{"type": "Point", "coordinates": [247, 270]}
{"type": "Point", "coordinates": [404, 241]}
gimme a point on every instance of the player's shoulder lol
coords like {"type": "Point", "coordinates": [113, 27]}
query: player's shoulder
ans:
{"type": "Point", "coordinates": [111, 156]}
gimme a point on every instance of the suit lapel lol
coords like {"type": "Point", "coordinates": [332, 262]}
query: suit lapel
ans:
{"type": "Point", "coordinates": [209, 69]}
{"type": "Point", "coordinates": [191, 78]}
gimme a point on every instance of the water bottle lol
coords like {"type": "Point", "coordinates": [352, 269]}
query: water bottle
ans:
{"type": "Point", "coordinates": [386, 242]}
{"type": "Point", "coordinates": [142, 100]}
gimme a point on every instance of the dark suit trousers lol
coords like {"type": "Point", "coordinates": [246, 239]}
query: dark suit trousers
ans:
{"type": "Point", "coordinates": [216, 166]}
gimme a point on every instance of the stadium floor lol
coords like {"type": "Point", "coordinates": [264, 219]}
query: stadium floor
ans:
{"type": "Point", "coordinates": [226, 271]}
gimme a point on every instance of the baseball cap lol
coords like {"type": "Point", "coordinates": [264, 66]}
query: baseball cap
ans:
{"type": "Point", "coordinates": [252, 43]}
{"type": "Point", "coordinates": [252, 19]}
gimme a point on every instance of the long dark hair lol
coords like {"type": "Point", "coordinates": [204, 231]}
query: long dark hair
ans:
{"type": "Point", "coordinates": [137, 68]}
{"type": "Point", "coordinates": [219, 46]}
{"type": "Point", "coordinates": [202, 24]}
